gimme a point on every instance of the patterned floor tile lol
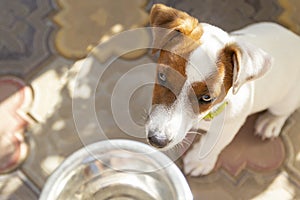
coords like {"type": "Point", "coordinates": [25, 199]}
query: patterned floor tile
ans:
{"type": "Point", "coordinates": [246, 170]}
{"type": "Point", "coordinates": [84, 23]}
{"type": "Point", "coordinates": [267, 177]}
{"type": "Point", "coordinates": [250, 152]}
{"type": "Point", "coordinates": [54, 136]}
{"type": "Point", "coordinates": [57, 136]}
{"type": "Point", "coordinates": [254, 186]}
{"type": "Point", "coordinates": [46, 100]}
{"type": "Point", "coordinates": [291, 139]}
{"type": "Point", "coordinates": [15, 99]}
{"type": "Point", "coordinates": [290, 15]}
{"type": "Point", "coordinates": [13, 187]}
{"type": "Point", "coordinates": [129, 45]}
{"type": "Point", "coordinates": [226, 15]}
{"type": "Point", "coordinates": [24, 35]}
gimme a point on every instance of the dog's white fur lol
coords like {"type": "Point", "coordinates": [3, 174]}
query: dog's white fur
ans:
{"type": "Point", "coordinates": [278, 91]}
{"type": "Point", "coordinates": [275, 66]}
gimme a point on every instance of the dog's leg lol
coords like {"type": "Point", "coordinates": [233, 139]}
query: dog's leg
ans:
{"type": "Point", "coordinates": [270, 123]}
{"type": "Point", "coordinates": [201, 159]}
{"type": "Point", "coordinates": [195, 166]}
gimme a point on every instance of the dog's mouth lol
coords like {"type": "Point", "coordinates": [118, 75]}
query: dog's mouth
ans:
{"type": "Point", "coordinates": [165, 129]}
{"type": "Point", "coordinates": [162, 142]}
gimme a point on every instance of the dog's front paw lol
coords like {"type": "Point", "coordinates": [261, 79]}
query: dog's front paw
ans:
{"type": "Point", "coordinates": [269, 125]}
{"type": "Point", "coordinates": [195, 166]}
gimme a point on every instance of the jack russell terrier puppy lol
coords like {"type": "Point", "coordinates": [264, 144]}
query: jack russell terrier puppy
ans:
{"type": "Point", "coordinates": [222, 77]}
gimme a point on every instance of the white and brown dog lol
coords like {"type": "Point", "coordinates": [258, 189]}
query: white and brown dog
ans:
{"type": "Point", "coordinates": [247, 71]}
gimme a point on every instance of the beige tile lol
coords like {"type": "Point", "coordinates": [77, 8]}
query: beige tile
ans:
{"type": "Point", "coordinates": [84, 23]}
{"type": "Point", "coordinates": [290, 15]}
{"type": "Point", "coordinates": [47, 85]}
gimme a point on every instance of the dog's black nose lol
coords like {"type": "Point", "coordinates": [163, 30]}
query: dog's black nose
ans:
{"type": "Point", "coordinates": [157, 140]}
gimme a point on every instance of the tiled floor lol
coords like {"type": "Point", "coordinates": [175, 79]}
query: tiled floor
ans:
{"type": "Point", "coordinates": [40, 40]}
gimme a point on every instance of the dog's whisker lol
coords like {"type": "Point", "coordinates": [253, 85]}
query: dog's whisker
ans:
{"type": "Point", "coordinates": [186, 143]}
{"type": "Point", "coordinates": [146, 111]}
{"type": "Point", "coordinates": [144, 117]}
{"type": "Point", "coordinates": [180, 145]}
{"type": "Point", "coordinates": [177, 148]}
{"type": "Point", "coordinates": [195, 132]}
{"type": "Point", "coordinates": [145, 114]}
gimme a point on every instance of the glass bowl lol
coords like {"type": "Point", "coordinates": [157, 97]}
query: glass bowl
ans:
{"type": "Point", "coordinates": [117, 170]}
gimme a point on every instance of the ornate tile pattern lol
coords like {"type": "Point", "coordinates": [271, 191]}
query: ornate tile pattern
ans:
{"type": "Point", "coordinates": [248, 151]}
{"type": "Point", "coordinates": [45, 101]}
{"type": "Point", "coordinates": [226, 15]}
{"type": "Point", "coordinates": [15, 98]}
{"type": "Point", "coordinates": [291, 139]}
{"type": "Point", "coordinates": [273, 173]}
{"type": "Point", "coordinates": [24, 35]}
{"type": "Point", "coordinates": [84, 23]}
{"type": "Point", "coordinates": [56, 136]}
{"type": "Point", "coordinates": [250, 168]}
{"type": "Point", "coordinates": [249, 185]}
{"type": "Point", "coordinates": [12, 187]}
{"type": "Point", "coordinates": [290, 16]}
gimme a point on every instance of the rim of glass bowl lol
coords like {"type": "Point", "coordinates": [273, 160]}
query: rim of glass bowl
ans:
{"type": "Point", "coordinates": [57, 179]}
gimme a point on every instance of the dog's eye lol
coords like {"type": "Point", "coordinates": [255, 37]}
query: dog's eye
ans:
{"type": "Point", "coordinates": [162, 76]}
{"type": "Point", "coordinates": [205, 99]}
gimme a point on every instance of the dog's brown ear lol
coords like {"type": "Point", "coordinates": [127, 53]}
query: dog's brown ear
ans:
{"type": "Point", "coordinates": [169, 23]}
{"type": "Point", "coordinates": [244, 62]}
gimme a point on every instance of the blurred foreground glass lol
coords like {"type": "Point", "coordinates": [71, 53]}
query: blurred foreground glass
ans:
{"type": "Point", "coordinates": [117, 169]}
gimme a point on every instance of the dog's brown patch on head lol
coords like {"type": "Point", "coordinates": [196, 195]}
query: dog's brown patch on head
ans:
{"type": "Point", "coordinates": [198, 89]}
{"type": "Point", "coordinates": [219, 83]}
{"type": "Point", "coordinates": [174, 61]}
{"type": "Point", "coordinates": [178, 34]}
{"type": "Point", "coordinates": [172, 68]}
{"type": "Point", "coordinates": [175, 20]}
{"type": "Point", "coordinates": [213, 87]}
